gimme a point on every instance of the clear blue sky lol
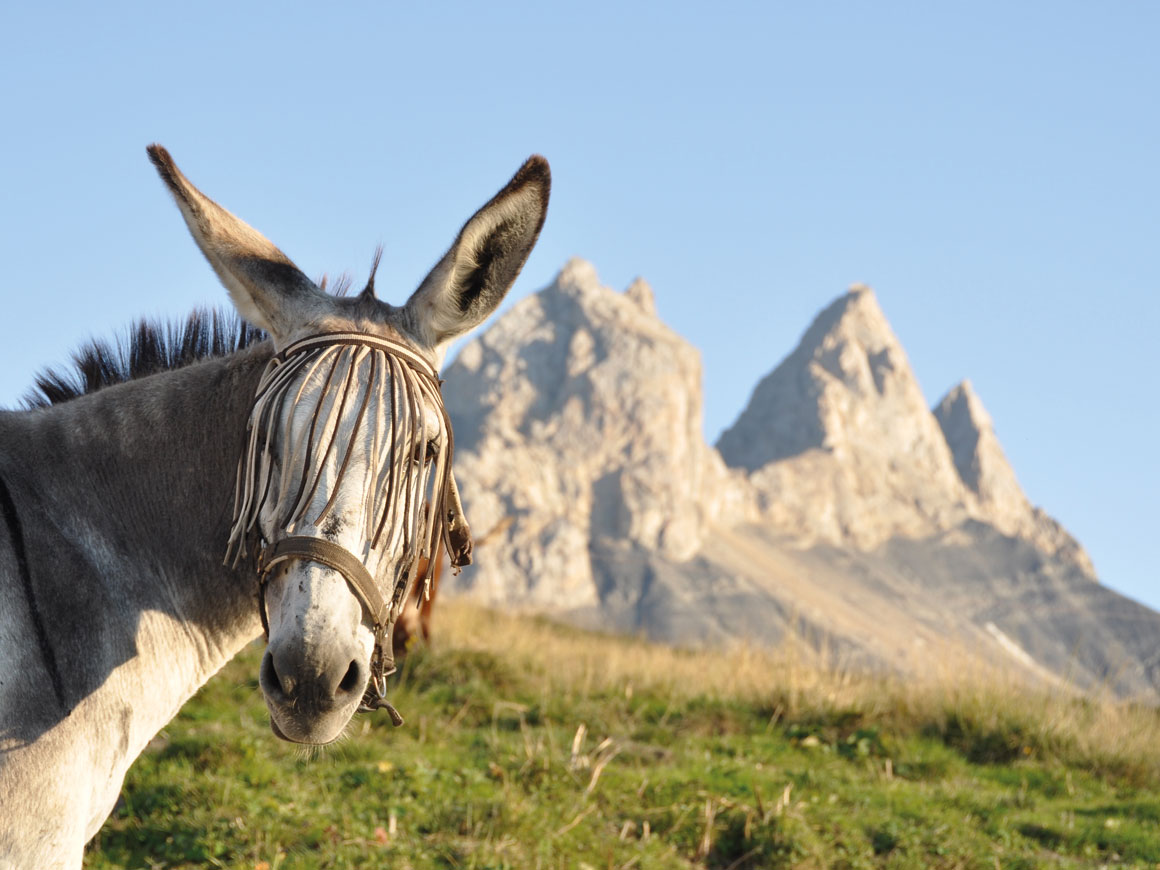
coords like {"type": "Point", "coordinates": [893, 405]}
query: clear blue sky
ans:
{"type": "Point", "coordinates": [991, 169]}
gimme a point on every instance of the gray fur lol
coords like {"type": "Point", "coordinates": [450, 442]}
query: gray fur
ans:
{"type": "Point", "coordinates": [125, 501]}
{"type": "Point", "coordinates": [123, 539]}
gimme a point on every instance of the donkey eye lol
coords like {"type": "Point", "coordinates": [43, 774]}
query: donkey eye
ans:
{"type": "Point", "coordinates": [427, 453]}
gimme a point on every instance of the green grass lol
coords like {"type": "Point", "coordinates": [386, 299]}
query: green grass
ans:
{"type": "Point", "coordinates": [528, 745]}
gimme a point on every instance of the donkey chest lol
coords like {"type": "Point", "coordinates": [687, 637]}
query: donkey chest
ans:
{"type": "Point", "coordinates": [77, 768]}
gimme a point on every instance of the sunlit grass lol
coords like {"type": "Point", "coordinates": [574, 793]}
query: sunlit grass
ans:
{"type": "Point", "coordinates": [532, 745]}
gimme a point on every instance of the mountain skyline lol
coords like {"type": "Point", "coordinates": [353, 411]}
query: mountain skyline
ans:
{"type": "Point", "coordinates": [841, 508]}
{"type": "Point", "coordinates": [990, 171]}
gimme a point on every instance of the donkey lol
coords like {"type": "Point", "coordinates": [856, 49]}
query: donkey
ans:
{"type": "Point", "coordinates": [317, 462]}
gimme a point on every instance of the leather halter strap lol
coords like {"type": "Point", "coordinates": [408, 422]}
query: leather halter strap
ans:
{"type": "Point", "coordinates": [324, 339]}
{"type": "Point", "coordinates": [332, 556]}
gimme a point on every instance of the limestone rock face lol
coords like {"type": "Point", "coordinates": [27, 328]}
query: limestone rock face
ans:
{"type": "Point", "coordinates": [979, 459]}
{"type": "Point", "coordinates": [641, 292]}
{"type": "Point", "coordinates": [838, 439]}
{"type": "Point", "coordinates": [578, 416]}
{"type": "Point", "coordinates": [996, 496]}
{"type": "Point", "coordinates": [839, 510]}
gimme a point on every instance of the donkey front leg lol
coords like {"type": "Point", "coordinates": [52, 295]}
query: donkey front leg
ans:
{"type": "Point", "coordinates": [45, 812]}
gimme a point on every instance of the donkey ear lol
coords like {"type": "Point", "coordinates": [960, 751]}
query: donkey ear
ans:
{"type": "Point", "coordinates": [473, 277]}
{"type": "Point", "coordinates": [268, 290]}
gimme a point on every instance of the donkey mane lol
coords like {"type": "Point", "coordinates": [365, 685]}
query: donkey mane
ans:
{"type": "Point", "coordinates": [149, 347]}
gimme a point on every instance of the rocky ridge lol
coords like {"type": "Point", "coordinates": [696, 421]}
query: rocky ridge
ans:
{"type": "Point", "coordinates": [578, 414]}
{"type": "Point", "coordinates": [841, 447]}
{"type": "Point", "coordinates": [837, 508]}
{"type": "Point", "coordinates": [838, 441]}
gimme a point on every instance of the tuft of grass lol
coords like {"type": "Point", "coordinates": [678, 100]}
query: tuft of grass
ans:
{"type": "Point", "coordinates": [533, 745]}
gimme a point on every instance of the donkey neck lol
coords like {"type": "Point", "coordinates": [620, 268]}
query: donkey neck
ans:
{"type": "Point", "coordinates": [125, 498]}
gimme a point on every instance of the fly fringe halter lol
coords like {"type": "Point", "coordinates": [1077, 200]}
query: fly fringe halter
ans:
{"type": "Point", "coordinates": [410, 499]}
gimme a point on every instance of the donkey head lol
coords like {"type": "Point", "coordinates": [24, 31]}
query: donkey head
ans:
{"type": "Point", "coordinates": [348, 441]}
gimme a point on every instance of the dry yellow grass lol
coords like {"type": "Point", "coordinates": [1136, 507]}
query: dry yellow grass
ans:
{"type": "Point", "coordinates": [1099, 732]}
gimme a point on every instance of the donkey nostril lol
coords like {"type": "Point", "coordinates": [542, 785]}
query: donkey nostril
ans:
{"type": "Point", "coordinates": [350, 681]}
{"type": "Point", "coordinates": [271, 677]}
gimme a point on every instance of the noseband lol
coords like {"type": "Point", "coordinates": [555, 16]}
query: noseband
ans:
{"type": "Point", "coordinates": [418, 524]}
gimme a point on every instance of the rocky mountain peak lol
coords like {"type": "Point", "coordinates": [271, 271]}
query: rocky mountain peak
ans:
{"type": "Point", "coordinates": [577, 276]}
{"type": "Point", "coordinates": [847, 376]}
{"type": "Point", "coordinates": [578, 414]}
{"type": "Point", "coordinates": [838, 436]}
{"type": "Point", "coordinates": [970, 434]}
{"type": "Point", "coordinates": [854, 317]}
{"type": "Point", "coordinates": [641, 292]}
{"type": "Point", "coordinates": [852, 516]}
{"type": "Point", "coordinates": [996, 496]}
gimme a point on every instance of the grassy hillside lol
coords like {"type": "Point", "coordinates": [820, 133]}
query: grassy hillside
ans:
{"type": "Point", "coordinates": [531, 745]}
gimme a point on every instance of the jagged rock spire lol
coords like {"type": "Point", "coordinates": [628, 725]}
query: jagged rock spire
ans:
{"type": "Point", "coordinates": [839, 437]}
{"type": "Point", "coordinates": [996, 496]}
{"type": "Point", "coordinates": [641, 292]}
{"type": "Point", "coordinates": [847, 381]}
{"type": "Point", "coordinates": [579, 413]}
{"type": "Point", "coordinates": [978, 458]}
